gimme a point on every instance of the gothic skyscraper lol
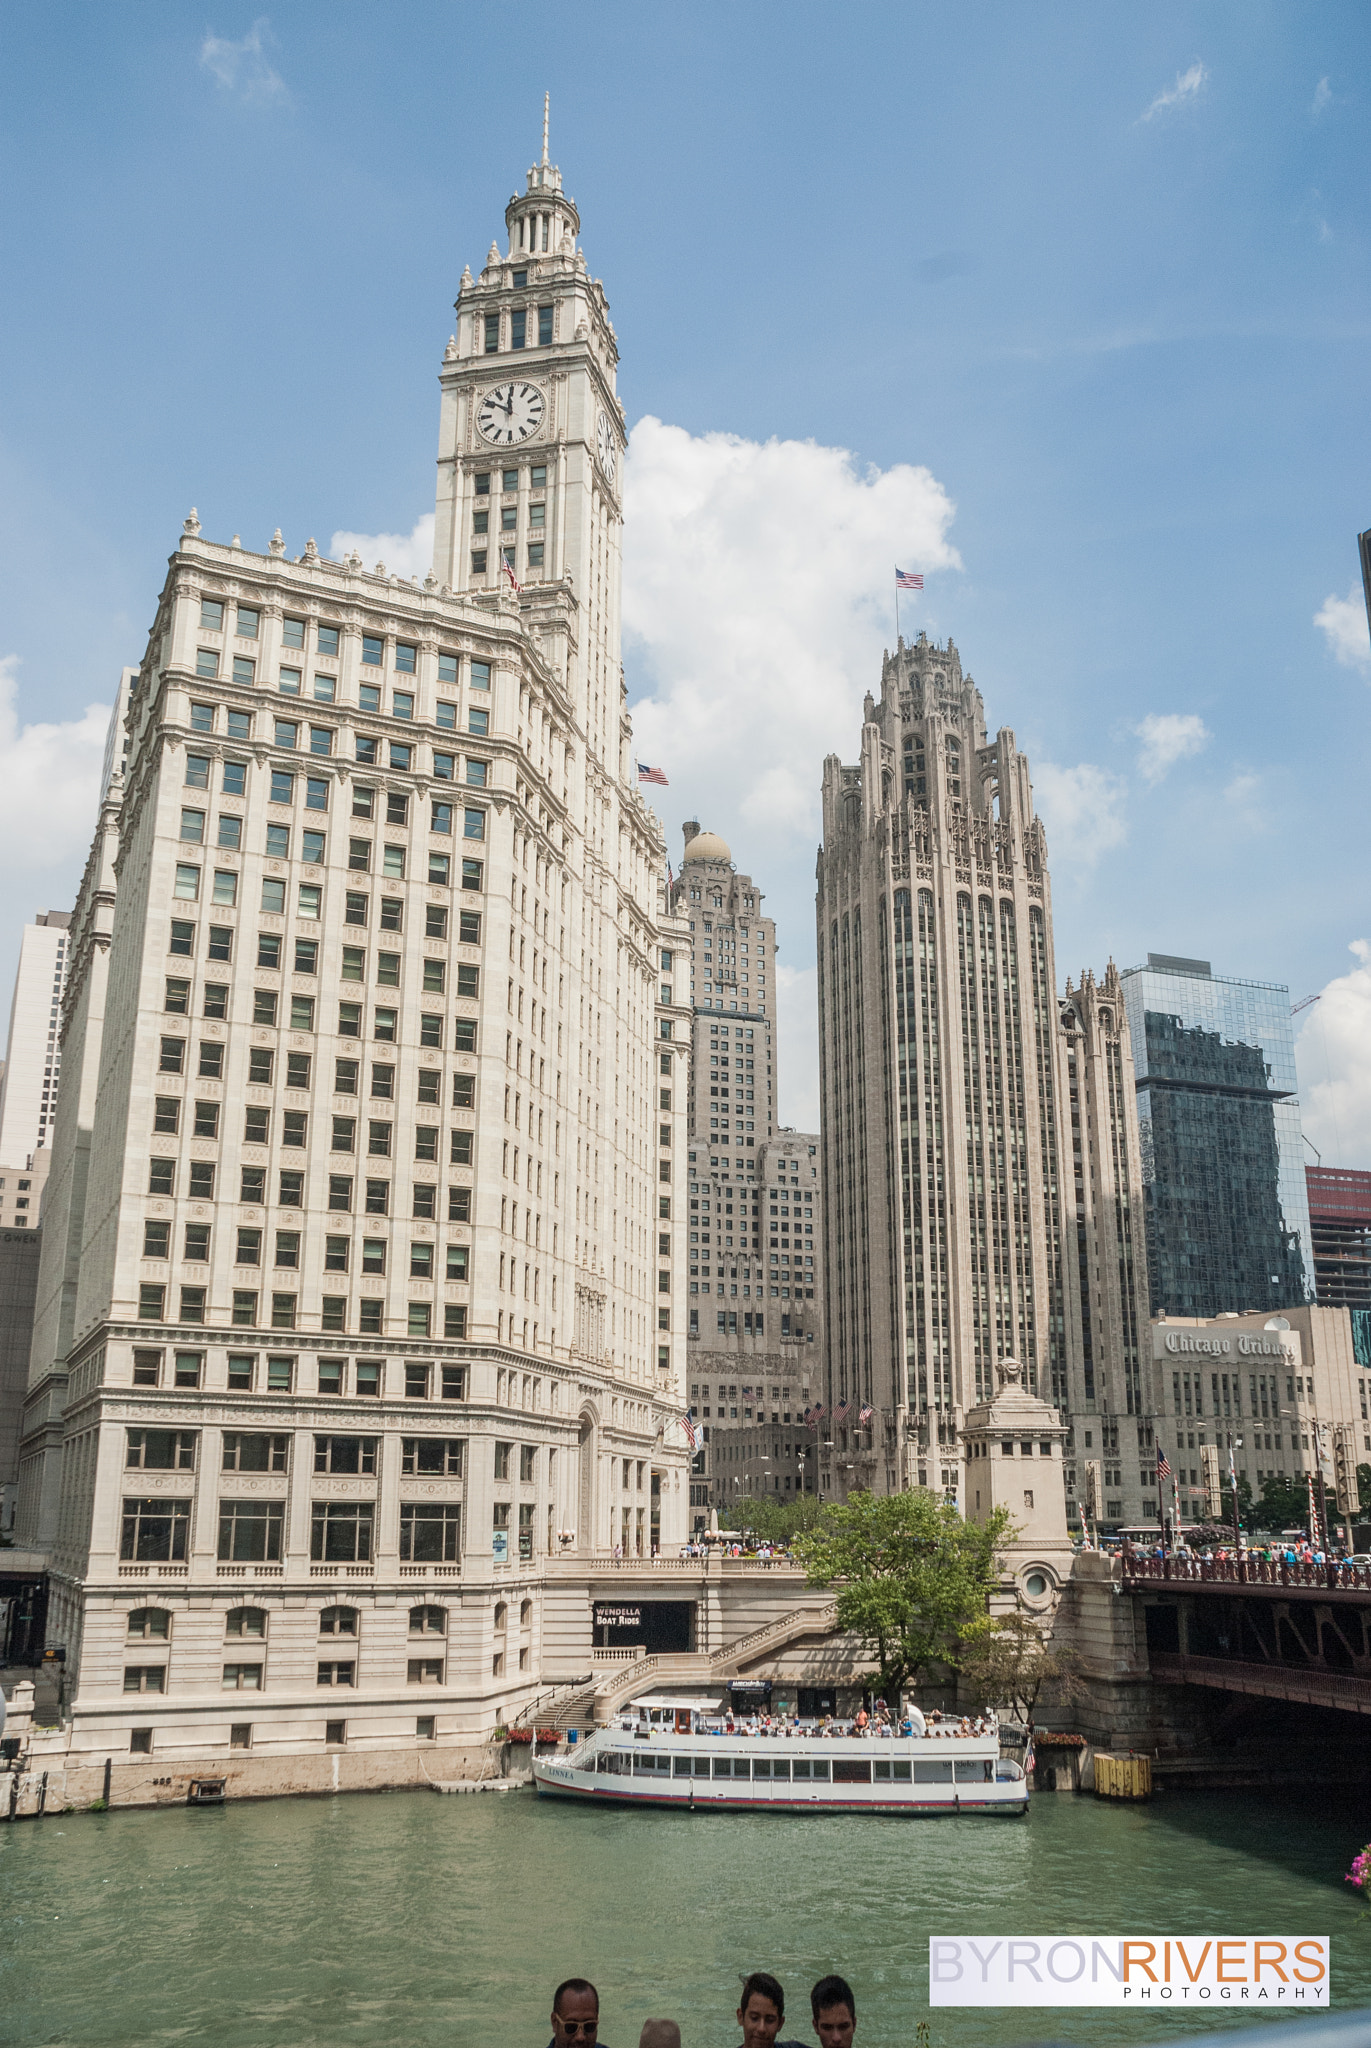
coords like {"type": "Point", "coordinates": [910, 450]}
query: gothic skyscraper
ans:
{"type": "Point", "coordinates": [946, 1099]}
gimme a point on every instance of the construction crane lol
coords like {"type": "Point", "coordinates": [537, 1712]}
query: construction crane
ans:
{"type": "Point", "coordinates": [1295, 1008]}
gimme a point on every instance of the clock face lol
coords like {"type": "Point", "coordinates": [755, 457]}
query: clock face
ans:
{"type": "Point", "coordinates": [510, 412]}
{"type": "Point", "coordinates": [606, 445]}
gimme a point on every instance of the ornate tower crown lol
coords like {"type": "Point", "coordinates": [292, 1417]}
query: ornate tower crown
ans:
{"type": "Point", "coordinates": [540, 219]}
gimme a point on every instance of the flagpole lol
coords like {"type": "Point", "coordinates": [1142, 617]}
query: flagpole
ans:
{"type": "Point", "coordinates": [897, 611]}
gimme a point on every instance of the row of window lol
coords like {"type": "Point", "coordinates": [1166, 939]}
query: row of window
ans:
{"type": "Point", "coordinates": [266, 1006]}
{"type": "Point", "coordinates": [364, 805]}
{"type": "Point", "coordinates": [273, 950]}
{"type": "Point", "coordinates": [284, 1315]}
{"type": "Point", "coordinates": [247, 625]}
{"type": "Point", "coordinates": [294, 1133]}
{"type": "Point", "coordinates": [291, 1190]}
{"type": "Point", "coordinates": [426, 1261]}
{"type": "Point", "coordinates": [250, 1678]}
{"type": "Point", "coordinates": [509, 518]}
{"type": "Point", "coordinates": [290, 735]}
{"type": "Point", "coordinates": [175, 1450]}
{"type": "Point", "coordinates": [299, 1067]}
{"type": "Point", "coordinates": [252, 1531]}
{"type": "Point", "coordinates": [310, 897]}
{"type": "Point", "coordinates": [366, 1379]}
{"type": "Point", "coordinates": [314, 850]}
{"type": "Point", "coordinates": [533, 557]}
{"type": "Point", "coordinates": [283, 781]}
{"type": "Point", "coordinates": [154, 1624]}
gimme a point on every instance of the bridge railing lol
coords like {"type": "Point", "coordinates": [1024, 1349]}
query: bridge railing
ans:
{"type": "Point", "coordinates": [1247, 1571]}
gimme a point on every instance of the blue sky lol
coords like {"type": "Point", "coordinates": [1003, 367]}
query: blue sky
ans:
{"type": "Point", "coordinates": [1082, 293]}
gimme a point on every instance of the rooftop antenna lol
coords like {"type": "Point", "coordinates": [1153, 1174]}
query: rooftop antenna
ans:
{"type": "Point", "coordinates": [547, 97]}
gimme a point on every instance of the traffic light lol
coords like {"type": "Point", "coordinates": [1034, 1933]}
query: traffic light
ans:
{"type": "Point", "coordinates": [1345, 1469]}
{"type": "Point", "coordinates": [1213, 1482]}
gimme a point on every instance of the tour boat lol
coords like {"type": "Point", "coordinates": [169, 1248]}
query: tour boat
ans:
{"type": "Point", "coordinates": [680, 1752]}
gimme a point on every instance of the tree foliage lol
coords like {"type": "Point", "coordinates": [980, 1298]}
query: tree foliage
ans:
{"type": "Point", "coordinates": [909, 1574]}
{"type": "Point", "coordinates": [1007, 1660]}
{"type": "Point", "coordinates": [774, 1521]}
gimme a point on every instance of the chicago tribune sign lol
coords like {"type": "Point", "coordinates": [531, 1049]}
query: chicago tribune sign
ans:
{"type": "Point", "coordinates": [1146, 1970]}
{"type": "Point", "coordinates": [1182, 1344]}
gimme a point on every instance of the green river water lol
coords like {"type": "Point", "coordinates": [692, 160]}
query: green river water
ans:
{"type": "Point", "coordinates": [395, 1919]}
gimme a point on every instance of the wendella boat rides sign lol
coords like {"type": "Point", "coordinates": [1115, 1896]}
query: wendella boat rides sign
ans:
{"type": "Point", "coordinates": [1143, 1970]}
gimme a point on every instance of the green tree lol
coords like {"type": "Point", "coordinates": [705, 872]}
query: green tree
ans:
{"type": "Point", "coordinates": [909, 1573]}
{"type": "Point", "coordinates": [1007, 1660]}
{"type": "Point", "coordinates": [1284, 1503]}
{"type": "Point", "coordinates": [1364, 1486]}
{"type": "Point", "coordinates": [775, 1521]}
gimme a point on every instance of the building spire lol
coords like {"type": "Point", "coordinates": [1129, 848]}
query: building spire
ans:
{"type": "Point", "coordinates": [547, 100]}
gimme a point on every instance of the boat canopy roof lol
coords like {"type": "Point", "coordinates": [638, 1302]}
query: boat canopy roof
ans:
{"type": "Point", "coordinates": [696, 1702]}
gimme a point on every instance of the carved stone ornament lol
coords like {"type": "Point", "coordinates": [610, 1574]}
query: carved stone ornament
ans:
{"type": "Point", "coordinates": [450, 352]}
{"type": "Point", "coordinates": [191, 524]}
{"type": "Point", "coordinates": [1010, 1372]}
{"type": "Point", "coordinates": [278, 546]}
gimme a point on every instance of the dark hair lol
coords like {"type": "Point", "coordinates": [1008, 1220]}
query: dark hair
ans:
{"type": "Point", "coordinates": [575, 1984]}
{"type": "Point", "coordinates": [831, 1991]}
{"type": "Point", "coordinates": [767, 1986]}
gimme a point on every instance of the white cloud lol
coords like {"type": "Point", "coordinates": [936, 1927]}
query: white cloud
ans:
{"type": "Point", "coordinates": [1189, 84]}
{"type": "Point", "coordinates": [1323, 97]}
{"type": "Point", "coordinates": [1082, 810]}
{"type": "Point", "coordinates": [404, 554]}
{"type": "Point", "coordinates": [1342, 621]}
{"type": "Point", "coordinates": [1168, 737]}
{"type": "Point", "coordinates": [243, 68]}
{"type": "Point", "coordinates": [49, 787]}
{"type": "Point", "coordinates": [1333, 1056]}
{"type": "Point", "coordinates": [758, 594]}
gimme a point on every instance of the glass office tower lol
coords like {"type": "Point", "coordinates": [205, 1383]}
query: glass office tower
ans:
{"type": "Point", "coordinates": [1222, 1151]}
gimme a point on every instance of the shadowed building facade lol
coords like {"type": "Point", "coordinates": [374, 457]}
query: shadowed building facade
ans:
{"type": "Point", "coordinates": [980, 1156]}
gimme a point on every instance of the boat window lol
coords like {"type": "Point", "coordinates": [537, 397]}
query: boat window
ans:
{"type": "Point", "coordinates": [680, 1767]}
{"type": "Point", "coordinates": [604, 1765]}
{"type": "Point", "coordinates": [976, 1770]}
{"type": "Point", "coordinates": [933, 1773]}
{"type": "Point", "coordinates": [1007, 1771]}
{"type": "Point", "coordinates": [821, 1767]}
{"type": "Point", "coordinates": [780, 1767]}
{"type": "Point", "coordinates": [646, 1764]}
{"type": "Point", "coordinates": [880, 1770]}
{"type": "Point", "coordinates": [802, 1764]}
{"type": "Point", "coordinates": [701, 1766]}
{"type": "Point", "coordinates": [852, 1770]}
{"type": "Point", "coordinates": [901, 1772]}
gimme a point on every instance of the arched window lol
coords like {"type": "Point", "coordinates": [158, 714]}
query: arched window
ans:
{"type": "Point", "coordinates": [245, 1621]}
{"type": "Point", "coordinates": [428, 1621]}
{"type": "Point", "coordinates": [150, 1624]}
{"type": "Point", "coordinates": [526, 1614]}
{"type": "Point", "coordinates": [338, 1621]}
{"type": "Point", "coordinates": [501, 1616]}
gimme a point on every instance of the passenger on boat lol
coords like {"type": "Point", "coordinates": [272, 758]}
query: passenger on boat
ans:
{"type": "Point", "coordinates": [761, 2012]}
{"type": "Point", "coordinates": [834, 2010]}
{"type": "Point", "coordinates": [575, 2014]}
{"type": "Point", "coordinates": [660, 2034]}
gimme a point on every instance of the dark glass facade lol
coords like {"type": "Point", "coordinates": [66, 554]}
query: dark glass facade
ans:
{"type": "Point", "coordinates": [1223, 1178]}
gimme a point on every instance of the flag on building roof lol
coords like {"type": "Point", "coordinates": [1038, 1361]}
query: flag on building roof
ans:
{"type": "Point", "coordinates": [1163, 1467]}
{"type": "Point", "coordinates": [865, 1415]}
{"type": "Point", "coordinates": [905, 579]}
{"type": "Point", "coordinates": [508, 568]}
{"type": "Point", "coordinates": [646, 774]}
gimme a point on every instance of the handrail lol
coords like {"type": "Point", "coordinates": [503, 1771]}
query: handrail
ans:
{"type": "Point", "coordinates": [799, 1617]}
{"type": "Point", "coordinates": [1331, 1576]}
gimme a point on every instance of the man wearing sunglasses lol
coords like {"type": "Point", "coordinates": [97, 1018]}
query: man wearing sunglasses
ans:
{"type": "Point", "coordinates": [575, 2015]}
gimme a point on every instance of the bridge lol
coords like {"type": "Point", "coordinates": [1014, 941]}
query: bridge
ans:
{"type": "Point", "coordinates": [1249, 1625]}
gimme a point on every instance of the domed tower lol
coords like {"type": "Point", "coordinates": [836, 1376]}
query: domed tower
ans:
{"type": "Point", "coordinates": [733, 993]}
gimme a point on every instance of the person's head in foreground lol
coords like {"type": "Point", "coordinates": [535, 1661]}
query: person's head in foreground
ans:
{"type": "Point", "coordinates": [761, 2011]}
{"type": "Point", "coordinates": [835, 2012]}
{"type": "Point", "coordinates": [575, 2014]}
{"type": "Point", "coordinates": [660, 2034]}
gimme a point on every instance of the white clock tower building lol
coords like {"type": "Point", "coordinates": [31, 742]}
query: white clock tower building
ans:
{"type": "Point", "coordinates": [529, 469]}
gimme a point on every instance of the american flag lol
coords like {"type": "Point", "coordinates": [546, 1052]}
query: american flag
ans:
{"type": "Point", "coordinates": [905, 579]}
{"type": "Point", "coordinates": [841, 1412]}
{"type": "Point", "coordinates": [814, 1415]}
{"type": "Point", "coordinates": [1163, 1468]}
{"type": "Point", "coordinates": [646, 774]}
{"type": "Point", "coordinates": [864, 1416]}
{"type": "Point", "coordinates": [692, 1433]}
{"type": "Point", "coordinates": [508, 568]}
